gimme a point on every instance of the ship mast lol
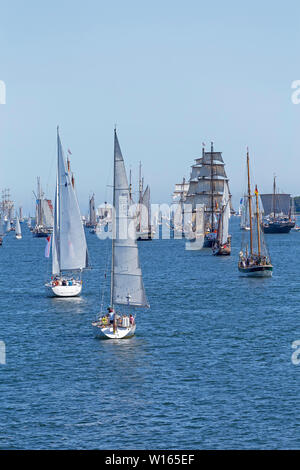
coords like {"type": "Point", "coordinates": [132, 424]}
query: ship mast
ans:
{"type": "Point", "coordinates": [249, 202]}
{"type": "Point", "coordinates": [274, 191]}
{"type": "Point", "coordinates": [257, 221]}
{"type": "Point", "coordinates": [211, 186]}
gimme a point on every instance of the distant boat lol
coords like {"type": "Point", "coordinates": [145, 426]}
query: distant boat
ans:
{"type": "Point", "coordinates": [127, 288]}
{"type": "Point", "coordinates": [222, 245]}
{"type": "Point", "coordinates": [8, 226]}
{"type": "Point", "coordinates": [44, 214]}
{"type": "Point", "coordinates": [254, 261]}
{"type": "Point", "coordinates": [69, 249]}
{"type": "Point", "coordinates": [144, 229]}
{"type": "Point", "coordinates": [18, 229]}
{"type": "Point", "coordinates": [92, 222]}
{"type": "Point", "coordinates": [277, 210]}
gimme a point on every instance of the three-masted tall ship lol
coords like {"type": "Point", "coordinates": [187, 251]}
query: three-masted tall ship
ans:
{"type": "Point", "coordinates": [278, 217]}
{"type": "Point", "coordinates": [254, 259]}
{"type": "Point", "coordinates": [206, 188]}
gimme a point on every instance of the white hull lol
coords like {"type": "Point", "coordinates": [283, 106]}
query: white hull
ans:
{"type": "Point", "coordinates": [65, 291]}
{"type": "Point", "coordinates": [18, 237]}
{"type": "Point", "coordinates": [108, 332]}
{"type": "Point", "coordinates": [257, 274]}
{"type": "Point", "coordinates": [195, 244]}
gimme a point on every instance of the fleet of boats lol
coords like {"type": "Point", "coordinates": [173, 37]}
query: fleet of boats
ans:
{"type": "Point", "coordinates": [201, 215]}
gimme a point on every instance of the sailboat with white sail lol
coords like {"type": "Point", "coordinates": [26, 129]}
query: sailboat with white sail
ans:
{"type": "Point", "coordinates": [18, 229]}
{"type": "Point", "coordinates": [144, 229]}
{"type": "Point", "coordinates": [126, 286]}
{"type": "Point", "coordinates": [222, 244]}
{"type": "Point", "coordinates": [69, 248]}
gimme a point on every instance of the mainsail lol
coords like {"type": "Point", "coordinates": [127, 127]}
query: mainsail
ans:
{"type": "Point", "coordinates": [225, 214]}
{"type": "Point", "coordinates": [93, 219]}
{"type": "Point", "coordinates": [69, 249]}
{"type": "Point", "coordinates": [18, 227]}
{"type": "Point", "coordinates": [127, 286]}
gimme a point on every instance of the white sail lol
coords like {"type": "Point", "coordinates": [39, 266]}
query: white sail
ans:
{"type": "Point", "coordinates": [69, 249]}
{"type": "Point", "coordinates": [18, 227]}
{"type": "Point", "coordinates": [225, 215]}
{"type": "Point", "coordinates": [47, 216]}
{"type": "Point", "coordinates": [8, 225]}
{"type": "Point", "coordinates": [127, 286]}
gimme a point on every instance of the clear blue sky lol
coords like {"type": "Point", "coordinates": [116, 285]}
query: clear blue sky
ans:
{"type": "Point", "coordinates": [171, 74]}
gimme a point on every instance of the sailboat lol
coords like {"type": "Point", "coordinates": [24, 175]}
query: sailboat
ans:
{"type": "Point", "coordinates": [277, 211]}
{"type": "Point", "coordinates": [18, 229]}
{"type": "Point", "coordinates": [254, 261]}
{"type": "Point", "coordinates": [144, 229]}
{"type": "Point", "coordinates": [92, 222]}
{"type": "Point", "coordinates": [222, 245]}
{"type": "Point", "coordinates": [126, 284]}
{"type": "Point", "coordinates": [8, 225]}
{"type": "Point", "coordinates": [44, 214]}
{"type": "Point", "coordinates": [69, 249]}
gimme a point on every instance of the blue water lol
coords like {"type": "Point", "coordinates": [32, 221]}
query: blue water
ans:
{"type": "Point", "coordinates": [210, 365]}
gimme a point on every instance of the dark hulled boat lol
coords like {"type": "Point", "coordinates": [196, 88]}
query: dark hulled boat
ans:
{"type": "Point", "coordinates": [277, 211]}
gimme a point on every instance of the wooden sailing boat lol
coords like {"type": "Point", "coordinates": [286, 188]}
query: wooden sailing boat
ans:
{"type": "Point", "coordinates": [69, 249]}
{"type": "Point", "coordinates": [222, 245]}
{"type": "Point", "coordinates": [255, 262]}
{"type": "Point", "coordinates": [18, 229]}
{"type": "Point", "coordinates": [277, 211]}
{"type": "Point", "coordinates": [126, 285]}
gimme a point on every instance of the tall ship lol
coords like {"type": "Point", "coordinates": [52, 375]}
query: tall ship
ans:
{"type": "Point", "coordinates": [206, 187]}
{"type": "Point", "coordinates": [278, 216]}
{"type": "Point", "coordinates": [126, 284]}
{"type": "Point", "coordinates": [254, 259]}
{"type": "Point", "coordinates": [43, 214]}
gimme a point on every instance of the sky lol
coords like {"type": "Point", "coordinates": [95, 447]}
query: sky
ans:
{"type": "Point", "coordinates": [169, 74]}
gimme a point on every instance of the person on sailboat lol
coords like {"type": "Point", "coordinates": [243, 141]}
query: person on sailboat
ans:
{"type": "Point", "coordinates": [111, 314]}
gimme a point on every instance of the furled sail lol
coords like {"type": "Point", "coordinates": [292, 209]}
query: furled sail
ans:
{"type": "Point", "coordinates": [127, 286]}
{"type": "Point", "coordinates": [69, 249]}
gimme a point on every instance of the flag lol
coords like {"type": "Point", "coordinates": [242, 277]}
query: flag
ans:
{"type": "Point", "coordinates": [69, 152]}
{"type": "Point", "coordinates": [256, 191]}
{"type": "Point", "coordinates": [47, 248]}
{"type": "Point", "coordinates": [241, 201]}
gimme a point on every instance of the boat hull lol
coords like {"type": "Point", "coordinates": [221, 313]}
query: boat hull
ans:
{"type": "Point", "coordinates": [256, 271]}
{"type": "Point", "coordinates": [65, 291]}
{"type": "Point", "coordinates": [278, 227]}
{"type": "Point", "coordinates": [18, 237]}
{"type": "Point", "coordinates": [108, 332]}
